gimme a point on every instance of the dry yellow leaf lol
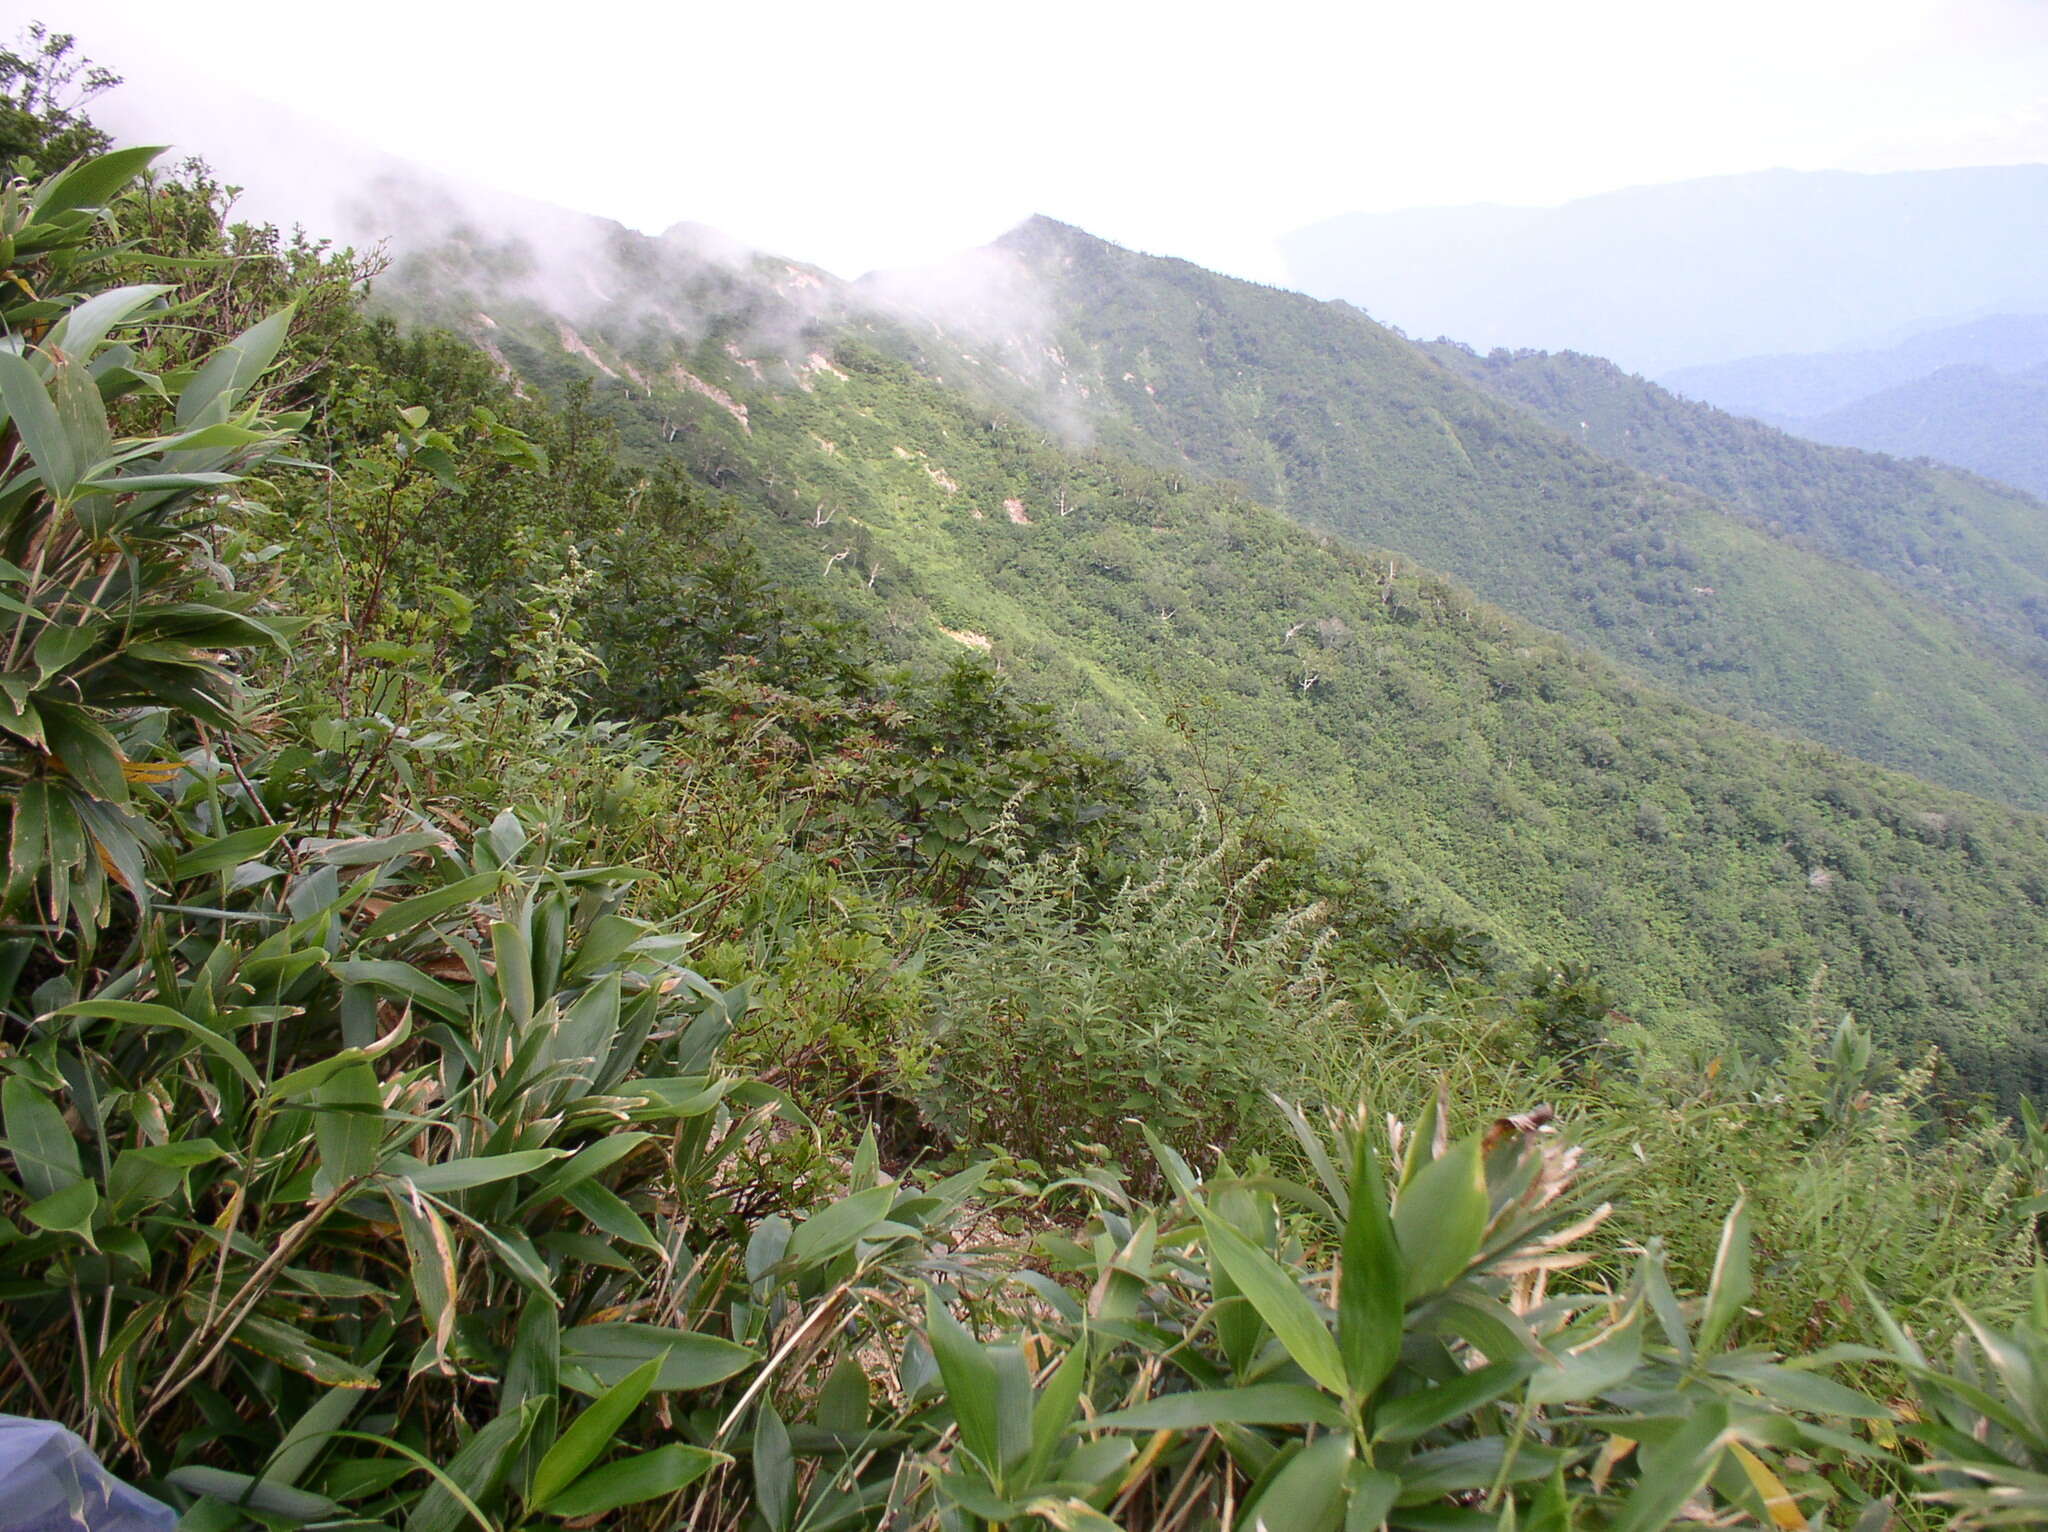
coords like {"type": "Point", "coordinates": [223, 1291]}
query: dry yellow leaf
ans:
{"type": "Point", "coordinates": [1778, 1502]}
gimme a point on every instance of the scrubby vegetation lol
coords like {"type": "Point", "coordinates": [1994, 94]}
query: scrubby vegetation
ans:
{"type": "Point", "coordinates": [505, 1030]}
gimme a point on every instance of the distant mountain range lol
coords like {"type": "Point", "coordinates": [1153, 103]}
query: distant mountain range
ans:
{"type": "Point", "coordinates": [1973, 394]}
{"type": "Point", "coordinates": [1782, 387]}
{"type": "Point", "coordinates": [1347, 429]}
{"type": "Point", "coordinates": [1991, 422]}
{"type": "Point", "coordinates": [1659, 278]}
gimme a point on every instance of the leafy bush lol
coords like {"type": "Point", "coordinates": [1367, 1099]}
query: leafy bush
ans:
{"type": "Point", "coordinates": [116, 605]}
{"type": "Point", "coordinates": [1355, 1353]}
{"type": "Point", "coordinates": [1167, 1006]}
{"type": "Point", "coordinates": [407, 1140]}
{"type": "Point", "coordinates": [1982, 1419]}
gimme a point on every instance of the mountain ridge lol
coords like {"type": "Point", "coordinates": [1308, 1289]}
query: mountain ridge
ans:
{"type": "Point", "coordinates": [1577, 812]}
{"type": "Point", "coordinates": [1975, 547]}
{"type": "Point", "coordinates": [1990, 422]}
{"type": "Point", "coordinates": [1345, 426]}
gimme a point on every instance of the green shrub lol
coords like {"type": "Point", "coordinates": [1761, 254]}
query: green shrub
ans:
{"type": "Point", "coordinates": [1367, 1351]}
{"type": "Point", "coordinates": [409, 1140]}
{"type": "Point", "coordinates": [1850, 1175]}
{"type": "Point", "coordinates": [117, 611]}
{"type": "Point", "coordinates": [1055, 1024]}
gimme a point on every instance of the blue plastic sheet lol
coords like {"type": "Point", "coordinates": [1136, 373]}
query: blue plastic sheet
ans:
{"type": "Point", "coordinates": [51, 1482]}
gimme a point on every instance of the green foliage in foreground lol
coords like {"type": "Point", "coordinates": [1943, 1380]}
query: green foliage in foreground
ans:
{"type": "Point", "coordinates": [375, 1158]}
{"type": "Point", "coordinates": [111, 611]}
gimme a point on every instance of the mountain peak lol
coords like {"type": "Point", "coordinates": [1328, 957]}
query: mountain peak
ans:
{"type": "Point", "coordinates": [1040, 233]}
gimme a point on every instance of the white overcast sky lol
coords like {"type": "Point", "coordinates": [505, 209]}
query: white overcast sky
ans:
{"type": "Point", "coordinates": [889, 133]}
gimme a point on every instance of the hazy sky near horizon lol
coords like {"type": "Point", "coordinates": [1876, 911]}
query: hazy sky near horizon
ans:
{"type": "Point", "coordinates": [894, 133]}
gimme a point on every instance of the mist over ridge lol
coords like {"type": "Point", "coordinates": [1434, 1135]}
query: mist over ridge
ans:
{"type": "Point", "coordinates": [1711, 252]}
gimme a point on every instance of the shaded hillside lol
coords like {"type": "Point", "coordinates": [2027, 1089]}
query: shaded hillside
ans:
{"type": "Point", "coordinates": [1348, 429]}
{"type": "Point", "coordinates": [1993, 423]}
{"type": "Point", "coordinates": [1978, 549]}
{"type": "Point", "coordinates": [1708, 870]}
{"type": "Point", "coordinates": [1661, 277]}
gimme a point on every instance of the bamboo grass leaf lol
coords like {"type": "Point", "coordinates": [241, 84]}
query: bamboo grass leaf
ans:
{"type": "Point", "coordinates": [460, 1175]}
{"type": "Point", "coordinates": [1308, 1494]}
{"type": "Point", "coordinates": [231, 371]}
{"type": "Point", "coordinates": [1673, 1471]}
{"type": "Point", "coordinates": [635, 1480]}
{"type": "Point", "coordinates": [348, 1126]}
{"type": "Point", "coordinates": [1369, 1494]}
{"type": "Point", "coordinates": [45, 1154]}
{"type": "Point", "coordinates": [1274, 1292]}
{"type": "Point", "coordinates": [1409, 1416]}
{"type": "Point", "coordinates": [1052, 1412]}
{"type": "Point", "coordinates": [1440, 1217]}
{"type": "Point", "coordinates": [603, 1353]}
{"type": "Point", "coordinates": [838, 1227]}
{"type": "Point", "coordinates": [268, 1496]}
{"type": "Point", "coordinates": [1600, 1365]}
{"type": "Point", "coordinates": [1730, 1287]}
{"type": "Point", "coordinates": [91, 183]}
{"type": "Point", "coordinates": [591, 1432]}
{"type": "Point", "coordinates": [1370, 1282]}
{"type": "Point", "coordinates": [68, 1210]}
{"type": "Point", "coordinates": [34, 414]}
{"type": "Point", "coordinates": [609, 1215]}
{"type": "Point", "coordinates": [1257, 1404]}
{"type": "Point", "coordinates": [774, 1471]}
{"type": "Point", "coordinates": [971, 1384]}
{"type": "Point", "coordinates": [478, 1470]}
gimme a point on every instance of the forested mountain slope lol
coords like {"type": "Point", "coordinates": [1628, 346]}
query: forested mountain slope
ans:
{"type": "Point", "coordinates": [1978, 549]}
{"type": "Point", "coordinates": [1346, 428]}
{"type": "Point", "coordinates": [1573, 812]}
